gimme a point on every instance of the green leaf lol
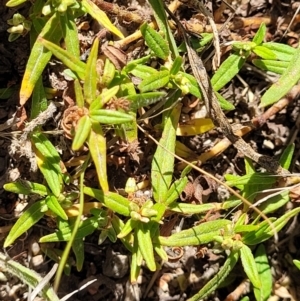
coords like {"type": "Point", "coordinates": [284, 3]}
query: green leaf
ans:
{"type": "Point", "coordinates": [214, 283]}
{"type": "Point", "coordinates": [28, 218]}
{"type": "Point", "coordinates": [78, 94]}
{"type": "Point", "coordinates": [103, 98]}
{"type": "Point", "coordinates": [287, 156]}
{"type": "Point", "coordinates": [201, 234]}
{"type": "Point", "coordinates": [12, 3]}
{"type": "Point", "coordinates": [71, 61]}
{"type": "Point", "coordinates": [90, 79]}
{"type": "Point", "coordinates": [225, 104]}
{"type": "Point", "coordinates": [249, 266]}
{"type": "Point", "coordinates": [265, 274]}
{"type": "Point", "coordinates": [82, 132]}
{"type": "Point", "coordinates": [156, 81]}
{"type": "Point", "coordinates": [53, 204]}
{"type": "Point", "coordinates": [260, 34]}
{"type": "Point", "coordinates": [297, 263]}
{"type": "Point", "coordinates": [27, 277]}
{"type": "Point", "coordinates": [288, 79]}
{"type": "Point", "coordinates": [163, 24]}
{"type": "Point", "coordinates": [177, 65]}
{"type": "Point", "coordinates": [143, 71]}
{"type": "Point", "coordinates": [193, 208]}
{"type": "Point", "coordinates": [271, 65]}
{"type": "Point", "coordinates": [110, 116]}
{"type": "Point", "coordinates": [111, 200]}
{"type": "Point", "coordinates": [283, 52]}
{"type": "Point", "coordinates": [97, 147]}
{"type": "Point", "coordinates": [145, 99]}
{"type": "Point", "coordinates": [162, 164]}
{"type": "Point", "coordinates": [143, 235]}
{"type": "Point", "coordinates": [39, 57]}
{"type": "Point", "coordinates": [26, 187]}
{"type": "Point", "coordinates": [47, 149]}
{"type": "Point", "coordinates": [78, 249]}
{"type": "Point", "coordinates": [53, 178]}
{"type": "Point", "coordinates": [264, 53]}
{"type": "Point", "coordinates": [101, 17]}
{"type": "Point", "coordinates": [109, 72]}
{"type": "Point", "coordinates": [229, 68]}
{"type": "Point", "coordinates": [87, 227]}
{"type": "Point", "coordinates": [70, 33]}
{"type": "Point", "coordinates": [282, 221]}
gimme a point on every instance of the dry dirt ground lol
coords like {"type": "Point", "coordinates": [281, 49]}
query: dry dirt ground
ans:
{"type": "Point", "coordinates": [109, 263]}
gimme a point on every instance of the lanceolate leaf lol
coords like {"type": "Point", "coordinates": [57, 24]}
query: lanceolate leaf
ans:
{"type": "Point", "coordinates": [71, 61]}
{"type": "Point", "coordinates": [145, 99]}
{"type": "Point", "coordinates": [90, 80]}
{"type": "Point", "coordinates": [214, 283]}
{"type": "Point", "coordinates": [70, 33]}
{"type": "Point", "coordinates": [283, 52]}
{"type": "Point", "coordinates": [145, 245]}
{"type": "Point", "coordinates": [28, 218]}
{"type": "Point", "coordinates": [83, 129]}
{"type": "Point", "coordinates": [156, 81]}
{"type": "Point", "coordinates": [86, 228]}
{"type": "Point", "coordinates": [271, 65]}
{"type": "Point", "coordinates": [162, 163]}
{"type": "Point", "coordinates": [250, 267]}
{"type": "Point", "coordinates": [110, 116]}
{"type": "Point", "coordinates": [55, 207]}
{"type": "Point", "coordinates": [101, 17]}
{"type": "Point", "coordinates": [27, 276]}
{"type": "Point", "coordinates": [26, 187]}
{"type": "Point", "coordinates": [97, 147]}
{"type": "Point", "coordinates": [288, 79]}
{"type": "Point", "coordinates": [39, 57]}
{"type": "Point", "coordinates": [155, 41]}
{"type": "Point", "coordinates": [265, 274]}
{"type": "Point", "coordinates": [111, 200]}
{"type": "Point", "coordinates": [197, 235]}
{"type": "Point", "coordinates": [229, 68]}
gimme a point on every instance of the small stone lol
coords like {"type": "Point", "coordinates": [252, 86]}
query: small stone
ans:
{"type": "Point", "coordinates": [37, 260]}
{"type": "Point", "coordinates": [115, 265]}
{"type": "Point", "coordinates": [268, 144]}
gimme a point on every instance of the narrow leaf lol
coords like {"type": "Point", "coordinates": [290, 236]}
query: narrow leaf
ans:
{"type": "Point", "coordinates": [39, 57]}
{"type": "Point", "coordinates": [71, 61]}
{"type": "Point", "coordinates": [214, 283]}
{"type": "Point", "coordinates": [265, 274]}
{"type": "Point", "coordinates": [156, 81]}
{"type": "Point", "coordinates": [197, 235]}
{"type": "Point", "coordinates": [229, 68]}
{"type": "Point", "coordinates": [155, 41]}
{"type": "Point", "coordinates": [90, 80]}
{"type": "Point", "coordinates": [110, 116]}
{"type": "Point", "coordinates": [97, 147]}
{"type": "Point", "coordinates": [26, 187]}
{"type": "Point", "coordinates": [288, 79]}
{"type": "Point", "coordinates": [283, 52]}
{"type": "Point", "coordinates": [55, 207]}
{"type": "Point", "coordinates": [249, 266]}
{"type": "Point", "coordinates": [145, 245]}
{"type": "Point", "coordinates": [270, 65]}
{"type": "Point", "coordinates": [83, 129]}
{"type": "Point", "coordinates": [28, 218]}
{"type": "Point", "coordinates": [162, 164]}
{"type": "Point", "coordinates": [101, 17]}
{"type": "Point", "coordinates": [111, 200]}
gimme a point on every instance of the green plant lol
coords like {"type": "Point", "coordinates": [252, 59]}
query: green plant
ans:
{"type": "Point", "coordinates": [110, 98]}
